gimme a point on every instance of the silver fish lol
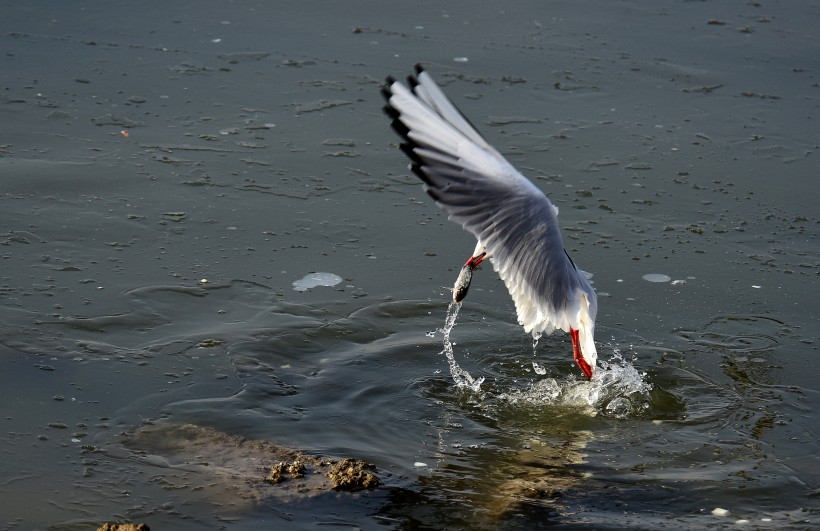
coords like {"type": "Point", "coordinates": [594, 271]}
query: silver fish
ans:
{"type": "Point", "coordinates": [463, 283]}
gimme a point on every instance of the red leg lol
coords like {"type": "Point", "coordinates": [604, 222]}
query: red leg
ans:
{"type": "Point", "coordinates": [576, 352]}
{"type": "Point", "coordinates": [475, 260]}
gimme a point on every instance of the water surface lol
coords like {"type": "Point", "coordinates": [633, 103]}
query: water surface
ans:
{"type": "Point", "coordinates": [170, 170]}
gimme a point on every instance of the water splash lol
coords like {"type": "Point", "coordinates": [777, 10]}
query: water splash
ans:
{"type": "Point", "coordinates": [461, 377]}
{"type": "Point", "coordinates": [617, 389]}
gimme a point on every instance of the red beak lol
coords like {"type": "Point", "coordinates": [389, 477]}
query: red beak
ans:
{"type": "Point", "coordinates": [579, 358]}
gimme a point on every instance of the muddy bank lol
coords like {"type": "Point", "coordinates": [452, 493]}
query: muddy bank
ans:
{"type": "Point", "coordinates": [257, 469]}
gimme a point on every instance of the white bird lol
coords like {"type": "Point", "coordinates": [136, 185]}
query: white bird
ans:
{"type": "Point", "coordinates": [515, 223]}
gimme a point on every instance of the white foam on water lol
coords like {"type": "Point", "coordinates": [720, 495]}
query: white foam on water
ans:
{"type": "Point", "coordinates": [311, 280]}
{"type": "Point", "coordinates": [656, 277]}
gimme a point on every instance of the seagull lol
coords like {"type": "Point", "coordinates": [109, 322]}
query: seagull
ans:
{"type": "Point", "coordinates": [516, 225]}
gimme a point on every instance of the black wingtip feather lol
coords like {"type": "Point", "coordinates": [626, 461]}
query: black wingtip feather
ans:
{"type": "Point", "coordinates": [390, 111]}
{"type": "Point", "coordinates": [408, 146]}
{"type": "Point", "coordinates": [417, 169]}
{"type": "Point", "coordinates": [400, 128]}
{"type": "Point", "coordinates": [408, 149]}
{"type": "Point", "coordinates": [412, 82]}
{"type": "Point", "coordinates": [432, 193]}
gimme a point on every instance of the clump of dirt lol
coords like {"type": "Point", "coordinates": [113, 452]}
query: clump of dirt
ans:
{"type": "Point", "coordinates": [351, 475]}
{"type": "Point", "coordinates": [281, 471]}
{"type": "Point", "coordinates": [123, 527]}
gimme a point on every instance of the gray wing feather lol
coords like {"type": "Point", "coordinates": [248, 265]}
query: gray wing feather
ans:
{"type": "Point", "coordinates": [483, 192]}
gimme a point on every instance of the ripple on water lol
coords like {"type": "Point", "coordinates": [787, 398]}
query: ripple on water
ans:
{"type": "Point", "coordinates": [738, 334]}
{"type": "Point", "coordinates": [369, 372]}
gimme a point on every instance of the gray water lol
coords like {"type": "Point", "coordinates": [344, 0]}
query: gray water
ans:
{"type": "Point", "coordinates": [169, 170]}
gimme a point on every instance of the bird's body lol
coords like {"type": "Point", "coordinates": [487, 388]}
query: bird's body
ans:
{"type": "Point", "coordinates": [515, 223]}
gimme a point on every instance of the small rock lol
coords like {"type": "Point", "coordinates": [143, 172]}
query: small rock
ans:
{"type": "Point", "coordinates": [352, 475]}
{"type": "Point", "coordinates": [123, 527]}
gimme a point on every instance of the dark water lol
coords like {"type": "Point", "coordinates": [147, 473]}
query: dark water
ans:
{"type": "Point", "coordinates": [170, 169]}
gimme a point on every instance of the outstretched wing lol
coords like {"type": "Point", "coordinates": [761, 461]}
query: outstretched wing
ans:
{"type": "Point", "coordinates": [480, 190]}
